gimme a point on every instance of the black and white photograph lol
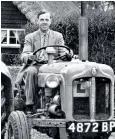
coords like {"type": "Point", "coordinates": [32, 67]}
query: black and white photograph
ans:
{"type": "Point", "coordinates": [57, 69]}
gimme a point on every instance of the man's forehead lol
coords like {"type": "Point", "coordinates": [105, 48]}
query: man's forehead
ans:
{"type": "Point", "coordinates": [45, 15]}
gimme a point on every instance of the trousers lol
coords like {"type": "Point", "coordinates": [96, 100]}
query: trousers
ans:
{"type": "Point", "coordinates": [30, 77]}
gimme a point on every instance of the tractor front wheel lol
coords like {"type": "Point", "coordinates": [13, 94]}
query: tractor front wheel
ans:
{"type": "Point", "coordinates": [3, 116]}
{"type": "Point", "coordinates": [17, 127]}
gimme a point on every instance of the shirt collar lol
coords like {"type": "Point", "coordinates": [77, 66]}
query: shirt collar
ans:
{"type": "Point", "coordinates": [42, 34]}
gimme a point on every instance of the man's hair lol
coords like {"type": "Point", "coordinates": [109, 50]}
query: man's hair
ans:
{"type": "Point", "coordinates": [43, 12]}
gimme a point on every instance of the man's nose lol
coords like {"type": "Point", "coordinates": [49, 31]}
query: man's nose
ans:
{"type": "Point", "coordinates": [44, 21]}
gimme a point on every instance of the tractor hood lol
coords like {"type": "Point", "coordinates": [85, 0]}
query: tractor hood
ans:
{"type": "Point", "coordinates": [78, 69]}
{"type": "Point", "coordinates": [54, 68]}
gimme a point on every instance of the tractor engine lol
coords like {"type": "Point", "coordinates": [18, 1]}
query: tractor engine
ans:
{"type": "Point", "coordinates": [49, 97]}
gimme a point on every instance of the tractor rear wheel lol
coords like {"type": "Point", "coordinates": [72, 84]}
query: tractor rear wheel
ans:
{"type": "Point", "coordinates": [3, 114]}
{"type": "Point", "coordinates": [17, 127]}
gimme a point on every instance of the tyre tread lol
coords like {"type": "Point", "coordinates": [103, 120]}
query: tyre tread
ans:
{"type": "Point", "coordinates": [18, 121]}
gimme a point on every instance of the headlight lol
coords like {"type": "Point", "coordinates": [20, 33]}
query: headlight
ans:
{"type": "Point", "coordinates": [52, 81]}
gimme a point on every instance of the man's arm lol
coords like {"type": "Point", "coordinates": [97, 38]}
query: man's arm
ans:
{"type": "Point", "coordinates": [62, 51]}
{"type": "Point", "coordinates": [27, 50]}
{"type": "Point", "coordinates": [60, 41]}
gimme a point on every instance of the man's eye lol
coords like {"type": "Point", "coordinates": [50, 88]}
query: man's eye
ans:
{"type": "Point", "coordinates": [41, 19]}
{"type": "Point", "coordinates": [47, 20]}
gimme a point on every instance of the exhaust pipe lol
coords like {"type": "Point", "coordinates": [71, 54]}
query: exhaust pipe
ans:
{"type": "Point", "coordinates": [83, 34]}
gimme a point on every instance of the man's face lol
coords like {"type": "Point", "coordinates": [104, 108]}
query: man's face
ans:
{"type": "Point", "coordinates": [44, 22]}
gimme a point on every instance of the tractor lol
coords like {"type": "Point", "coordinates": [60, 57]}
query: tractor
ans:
{"type": "Point", "coordinates": [75, 97]}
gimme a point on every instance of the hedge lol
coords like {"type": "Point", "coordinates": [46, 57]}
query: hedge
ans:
{"type": "Point", "coordinates": [11, 59]}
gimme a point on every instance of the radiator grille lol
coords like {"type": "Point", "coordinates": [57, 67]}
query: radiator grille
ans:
{"type": "Point", "coordinates": [81, 108]}
{"type": "Point", "coordinates": [81, 98]}
{"type": "Point", "coordinates": [102, 98]}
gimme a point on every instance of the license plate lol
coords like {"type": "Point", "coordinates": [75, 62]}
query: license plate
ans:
{"type": "Point", "coordinates": [94, 127]}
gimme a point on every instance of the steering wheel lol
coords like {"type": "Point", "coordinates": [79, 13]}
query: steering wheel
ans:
{"type": "Point", "coordinates": [58, 57]}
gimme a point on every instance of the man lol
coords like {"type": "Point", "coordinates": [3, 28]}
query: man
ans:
{"type": "Point", "coordinates": [33, 41]}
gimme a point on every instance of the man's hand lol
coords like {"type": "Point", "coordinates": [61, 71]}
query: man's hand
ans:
{"type": "Point", "coordinates": [66, 52]}
{"type": "Point", "coordinates": [31, 56]}
{"type": "Point", "coordinates": [28, 57]}
{"type": "Point", "coordinates": [68, 55]}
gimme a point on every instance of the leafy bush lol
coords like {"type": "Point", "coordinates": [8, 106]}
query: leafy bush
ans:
{"type": "Point", "coordinates": [101, 34]}
{"type": "Point", "coordinates": [11, 59]}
